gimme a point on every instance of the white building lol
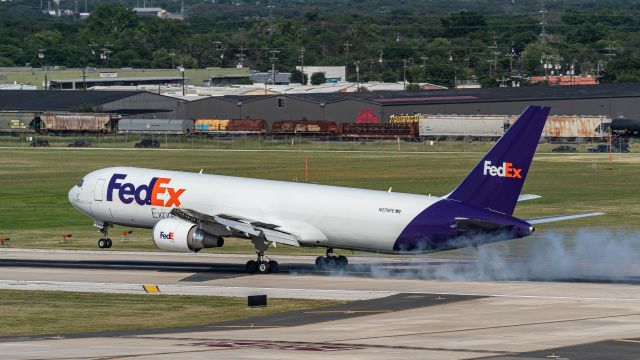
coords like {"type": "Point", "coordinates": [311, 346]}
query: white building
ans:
{"type": "Point", "coordinates": [333, 74]}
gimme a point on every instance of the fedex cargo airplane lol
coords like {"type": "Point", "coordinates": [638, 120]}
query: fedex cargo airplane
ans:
{"type": "Point", "coordinates": [192, 211]}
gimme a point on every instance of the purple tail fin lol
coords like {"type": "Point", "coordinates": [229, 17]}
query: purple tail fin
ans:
{"type": "Point", "coordinates": [495, 183]}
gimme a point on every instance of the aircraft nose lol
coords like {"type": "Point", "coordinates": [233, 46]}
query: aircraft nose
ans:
{"type": "Point", "coordinates": [73, 195]}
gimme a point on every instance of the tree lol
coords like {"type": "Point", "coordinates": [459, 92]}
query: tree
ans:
{"type": "Point", "coordinates": [110, 20]}
{"type": "Point", "coordinates": [318, 78]}
{"type": "Point", "coordinates": [462, 23]}
{"type": "Point", "coordinates": [297, 75]}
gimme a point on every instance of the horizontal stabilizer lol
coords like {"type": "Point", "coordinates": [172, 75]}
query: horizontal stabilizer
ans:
{"type": "Point", "coordinates": [542, 220]}
{"type": "Point", "coordinates": [525, 197]}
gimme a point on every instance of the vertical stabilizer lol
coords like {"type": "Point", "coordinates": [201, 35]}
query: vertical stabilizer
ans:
{"type": "Point", "coordinates": [495, 183]}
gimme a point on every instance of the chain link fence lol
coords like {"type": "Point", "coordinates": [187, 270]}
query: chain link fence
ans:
{"type": "Point", "coordinates": [297, 142]}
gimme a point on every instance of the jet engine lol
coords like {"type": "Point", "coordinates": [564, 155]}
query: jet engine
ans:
{"type": "Point", "coordinates": [183, 236]}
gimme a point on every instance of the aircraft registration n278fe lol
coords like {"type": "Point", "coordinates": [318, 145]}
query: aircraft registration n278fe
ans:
{"type": "Point", "coordinates": [192, 211]}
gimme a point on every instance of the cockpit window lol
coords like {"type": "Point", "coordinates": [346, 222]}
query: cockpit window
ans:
{"type": "Point", "coordinates": [79, 184]}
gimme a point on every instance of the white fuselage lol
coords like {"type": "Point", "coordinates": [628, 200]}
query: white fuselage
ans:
{"type": "Point", "coordinates": [319, 215]}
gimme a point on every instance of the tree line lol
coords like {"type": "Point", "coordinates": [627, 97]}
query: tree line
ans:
{"type": "Point", "coordinates": [489, 41]}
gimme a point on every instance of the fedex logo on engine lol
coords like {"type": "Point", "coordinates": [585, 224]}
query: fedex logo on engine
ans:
{"type": "Point", "coordinates": [156, 193]}
{"type": "Point", "coordinates": [506, 170]}
{"type": "Point", "coordinates": [166, 236]}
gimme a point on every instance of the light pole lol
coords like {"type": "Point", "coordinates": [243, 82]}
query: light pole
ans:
{"type": "Point", "coordinates": [41, 57]}
{"type": "Point", "coordinates": [181, 68]}
{"type": "Point", "coordinates": [357, 64]}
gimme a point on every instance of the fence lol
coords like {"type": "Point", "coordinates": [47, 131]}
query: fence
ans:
{"type": "Point", "coordinates": [291, 142]}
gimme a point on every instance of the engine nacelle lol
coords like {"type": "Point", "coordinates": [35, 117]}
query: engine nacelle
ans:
{"type": "Point", "coordinates": [183, 236]}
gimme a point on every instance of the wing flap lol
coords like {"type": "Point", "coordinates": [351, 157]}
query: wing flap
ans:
{"type": "Point", "coordinates": [548, 219]}
{"type": "Point", "coordinates": [229, 225]}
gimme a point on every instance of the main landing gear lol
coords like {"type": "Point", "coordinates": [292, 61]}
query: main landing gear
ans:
{"type": "Point", "coordinates": [104, 242]}
{"type": "Point", "coordinates": [260, 265]}
{"type": "Point", "coordinates": [331, 262]}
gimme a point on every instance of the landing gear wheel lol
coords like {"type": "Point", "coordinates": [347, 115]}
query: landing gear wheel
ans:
{"type": "Point", "coordinates": [331, 262]}
{"type": "Point", "coordinates": [342, 261]}
{"type": "Point", "coordinates": [108, 243]}
{"type": "Point", "coordinates": [263, 267]}
{"type": "Point", "coordinates": [321, 263]}
{"type": "Point", "coordinates": [274, 266]}
{"type": "Point", "coordinates": [252, 266]}
{"type": "Point", "coordinates": [102, 243]}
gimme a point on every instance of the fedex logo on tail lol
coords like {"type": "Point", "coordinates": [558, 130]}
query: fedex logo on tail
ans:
{"type": "Point", "coordinates": [506, 170]}
{"type": "Point", "coordinates": [156, 193]}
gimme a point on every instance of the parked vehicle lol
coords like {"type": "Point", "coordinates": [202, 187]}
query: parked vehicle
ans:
{"type": "Point", "coordinates": [621, 148]}
{"type": "Point", "coordinates": [80, 144]}
{"type": "Point", "coordinates": [148, 144]}
{"type": "Point", "coordinates": [564, 149]}
{"type": "Point", "coordinates": [39, 143]}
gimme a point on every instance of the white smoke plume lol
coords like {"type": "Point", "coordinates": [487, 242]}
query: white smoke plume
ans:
{"type": "Point", "coordinates": [586, 255]}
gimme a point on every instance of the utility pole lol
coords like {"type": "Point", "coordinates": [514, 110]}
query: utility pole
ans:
{"type": "Point", "coordinates": [543, 22]}
{"type": "Point", "coordinates": [270, 7]}
{"type": "Point", "coordinates": [381, 61]}
{"type": "Point", "coordinates": [302, 80]}
{"type": "Point", "coordinates": [240, 56]}
{"type": "Point", "coordinates": [511, 55]}
{"type": "Point", "coordinates": [84, 78]}
{"type": "Point", "coordinates": [610, 52]}
{"type": "Point", "coordinates": [273, 59]}
{"type": "Point", "coordinates": [347, 45]}
{"type": "Point", "coordinates": [424, 61]}
{"type": "Point", "coordinates": [404, 74]}
{"type": "Point", "coordinates": [495, 52]}
{"type": "Point", "coordinates": [357, 65]}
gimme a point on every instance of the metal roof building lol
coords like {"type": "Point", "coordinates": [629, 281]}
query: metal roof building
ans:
{"type": "Point", "coordinates": [80, 83]}
{"type": "Point", "coordinates": [613, 100]}
{"type": "Point", "coordinates": [121, 102]}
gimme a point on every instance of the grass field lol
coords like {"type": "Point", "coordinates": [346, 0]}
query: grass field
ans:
{"type": "Point", "coordinates": [34, 185]}
{"type": "Point", "coordinates": [52, 312]}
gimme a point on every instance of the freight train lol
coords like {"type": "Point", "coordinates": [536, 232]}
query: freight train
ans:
{"type": "Point", "coordinates": [400, 126]}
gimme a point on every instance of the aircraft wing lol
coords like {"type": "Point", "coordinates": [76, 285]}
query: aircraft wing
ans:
{"type": "Point", "coordinates": [548, 219]}
{"type": "Point", "coordinates": [231, 225]}
{"type": "Point", "coordinates": [525, 197]}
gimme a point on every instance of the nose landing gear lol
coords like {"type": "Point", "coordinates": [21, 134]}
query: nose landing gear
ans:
{"type": "Point", "coordinates": [104, 242]}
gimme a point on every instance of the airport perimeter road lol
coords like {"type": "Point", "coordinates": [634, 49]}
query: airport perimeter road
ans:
{"type": "Point", "coordinates": [501, 320]}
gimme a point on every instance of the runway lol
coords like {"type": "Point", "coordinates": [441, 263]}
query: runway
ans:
{"type": "Point", "coordinates": [394, 317]}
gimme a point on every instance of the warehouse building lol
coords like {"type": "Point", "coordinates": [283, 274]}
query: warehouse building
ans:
{"type": "Point", "coordinates": [87, 83]}
{"type": "Point", "coordinates": [611, 100]}
{"type": "Point", "coordinates": [125, 103]}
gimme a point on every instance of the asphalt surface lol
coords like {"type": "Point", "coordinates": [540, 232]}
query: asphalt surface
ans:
{"type": "Point", "coordinates": [404, 312]}
{"type": "Point", "coordinates": [349, 310]}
